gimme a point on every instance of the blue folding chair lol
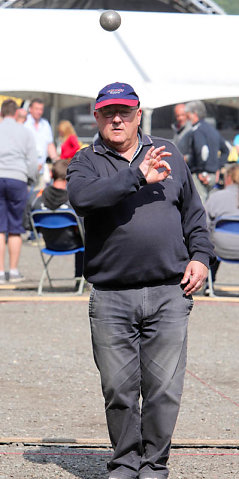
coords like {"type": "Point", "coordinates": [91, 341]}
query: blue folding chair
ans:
{"type": "Point", "coordinates": [225, 224]}
{"type": "Point", "coordinates": [56, 220]}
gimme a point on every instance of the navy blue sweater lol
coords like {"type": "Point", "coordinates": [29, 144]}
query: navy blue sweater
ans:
{"type": "Point", "coordinates": [136, 233]}
{"type": "Point", "coordinates": [205, 136]}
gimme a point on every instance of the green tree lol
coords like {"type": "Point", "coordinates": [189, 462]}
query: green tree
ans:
{"type": "Point", "coordinates": [230, 6]}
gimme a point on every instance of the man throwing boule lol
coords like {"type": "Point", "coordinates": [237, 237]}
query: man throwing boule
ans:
{"type": "Point", "coordinates": [147, 250]}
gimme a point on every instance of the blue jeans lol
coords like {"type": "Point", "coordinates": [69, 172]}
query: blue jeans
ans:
{"type": "Point", "coordinates": [139, 341]}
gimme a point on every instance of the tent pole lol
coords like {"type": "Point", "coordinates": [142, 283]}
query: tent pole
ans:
{"type": "Point", "coordinates": [147, 120]}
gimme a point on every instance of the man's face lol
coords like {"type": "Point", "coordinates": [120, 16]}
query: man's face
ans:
{"type": "Point", "coordinates": [36, 110]}
{"type": "Point", "coordinates": [118, 125]}
{"type": "Point", "coordinates": [180, 115]}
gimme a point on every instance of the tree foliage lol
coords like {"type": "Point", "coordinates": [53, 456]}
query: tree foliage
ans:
{"type": "Point", "coordinates": [230, 6]}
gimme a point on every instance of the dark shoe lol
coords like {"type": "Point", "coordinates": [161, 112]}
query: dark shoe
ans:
{"type": "Point", "coordinates": [206, 291]}
{"type": "Point", "coordinates": [77, 284]}
{"type": "Point", "coordinates": [86, 287]}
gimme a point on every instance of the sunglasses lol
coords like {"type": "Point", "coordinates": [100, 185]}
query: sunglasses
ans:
{"type": "Point", "coordinates": [123, 112]}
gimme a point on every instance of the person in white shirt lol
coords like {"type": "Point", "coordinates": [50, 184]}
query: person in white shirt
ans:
{"type": "Point", "coordinates": [43, 136]}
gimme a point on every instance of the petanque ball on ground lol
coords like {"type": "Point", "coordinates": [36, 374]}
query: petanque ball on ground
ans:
{"type": "Point", "coordinates": [110, 20]}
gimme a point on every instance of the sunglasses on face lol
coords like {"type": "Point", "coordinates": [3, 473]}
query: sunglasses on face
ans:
{"type": "Point", "coordinates": [123, 112]}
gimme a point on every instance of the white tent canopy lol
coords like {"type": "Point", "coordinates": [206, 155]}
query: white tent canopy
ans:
{"type": "Point", "coordinates": [167, 57]}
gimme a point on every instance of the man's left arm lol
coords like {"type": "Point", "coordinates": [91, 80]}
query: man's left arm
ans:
{"type": "Point", "coordinates": [224, 152]}
{"type": "Point", "coordinates": [52, 153]}
{"type": "Point", "coordinates": [51, 148]}
{"type": "Point", "coordinates": [31, 157]}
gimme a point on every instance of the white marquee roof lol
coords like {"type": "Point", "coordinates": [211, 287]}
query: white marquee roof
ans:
{"type": "Point", "coordinates": [187, 6]}
{"type": "Point", "coordinates": [167, 57]}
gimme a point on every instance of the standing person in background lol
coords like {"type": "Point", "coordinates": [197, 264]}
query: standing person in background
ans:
{"type": "Point", "coordinates": [18, 165]}
{"type": "Point", "coordinates": [42, 133]}
{"type": "Point", "coordinates": [181, 127]}
{"type": "Point", "coordinates": [69, 140]}
{"type": "Point", "coordinates": [21, 115]}
{"type": "Point", "coordinates": [147, 250]}
{"type": "Point", "coordinates": [208, 152]}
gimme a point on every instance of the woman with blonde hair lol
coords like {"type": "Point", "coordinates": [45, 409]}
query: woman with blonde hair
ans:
{"type": "Point", "coordinates": [224, 203]}
{"type": "Point", "coordinates": [69, 140]}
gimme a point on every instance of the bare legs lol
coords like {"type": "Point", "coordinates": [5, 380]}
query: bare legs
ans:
{"type": "Point", "coordinates": [14, 250]}
{"type": "Point", "coordinates": [2, 250]}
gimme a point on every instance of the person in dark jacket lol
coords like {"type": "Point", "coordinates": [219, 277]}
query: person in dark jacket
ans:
{"type": "Point", "coordinates": [55, 197]}
{"type": "Point", "coordinates": [208, 150]}
{"type": "Point", "coordinates": [147, 250]}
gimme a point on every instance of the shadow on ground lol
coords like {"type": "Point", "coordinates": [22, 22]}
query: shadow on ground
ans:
{"type": "Point", "coordinates": [91, 463]}
{"type": "Point", "coordinates": [87, 463]}
{"type": "Point", "coordinates": [227, 293]}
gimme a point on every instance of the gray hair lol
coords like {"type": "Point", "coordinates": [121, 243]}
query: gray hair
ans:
{"type": "Point", "coordinates": [197, 107]}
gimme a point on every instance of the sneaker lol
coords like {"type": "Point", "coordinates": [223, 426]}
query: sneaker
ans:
{"type": "Point", "coordinates": [31, 236]}
{"type": "Point", "coordinates": [15, 277]}
{"type": "Point", "coordinates": [3, 279]}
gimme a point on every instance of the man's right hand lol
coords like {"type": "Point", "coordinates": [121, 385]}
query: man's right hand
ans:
{"type": "Point", "coordinates": [152, 161]}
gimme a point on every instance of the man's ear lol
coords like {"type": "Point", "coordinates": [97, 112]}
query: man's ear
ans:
{"type": "Point", "coordinates": [139, 115]}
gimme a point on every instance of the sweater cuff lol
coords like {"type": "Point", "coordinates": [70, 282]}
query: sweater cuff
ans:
{"type": "Point", "coordinates": [202, 257]}
{"type": "Point", "coordinates": [140, 176]}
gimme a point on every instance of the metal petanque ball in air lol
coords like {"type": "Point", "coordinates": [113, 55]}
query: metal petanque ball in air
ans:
{"type": "Point", "coordinates": [110, 20]}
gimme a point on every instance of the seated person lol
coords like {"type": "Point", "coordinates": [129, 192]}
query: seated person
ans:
{"type": "Point", "coordinates": [224, 202]}
{"type": "Point", "coordinates": [55, 197]}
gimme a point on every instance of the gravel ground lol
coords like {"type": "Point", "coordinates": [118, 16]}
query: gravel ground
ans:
{"type": "Point", "coordinates": [50, 387]}
{"type": "Point", "coordinates": [68, 463]}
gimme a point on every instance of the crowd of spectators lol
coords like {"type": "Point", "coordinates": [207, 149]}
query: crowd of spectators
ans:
{"type": "Point", "coordinates": [28, 151]}
{"type": "Point", "coordinates": [214, 165]}
{"type": "Point", "coordinates": [32, 176]}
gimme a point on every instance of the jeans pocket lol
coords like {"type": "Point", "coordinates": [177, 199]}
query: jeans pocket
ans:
{"type": "Point", "coordinates": [91, 301]}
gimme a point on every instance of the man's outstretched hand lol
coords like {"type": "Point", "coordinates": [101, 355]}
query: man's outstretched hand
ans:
{"type": "Point", "coordinates": [152, 161]}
